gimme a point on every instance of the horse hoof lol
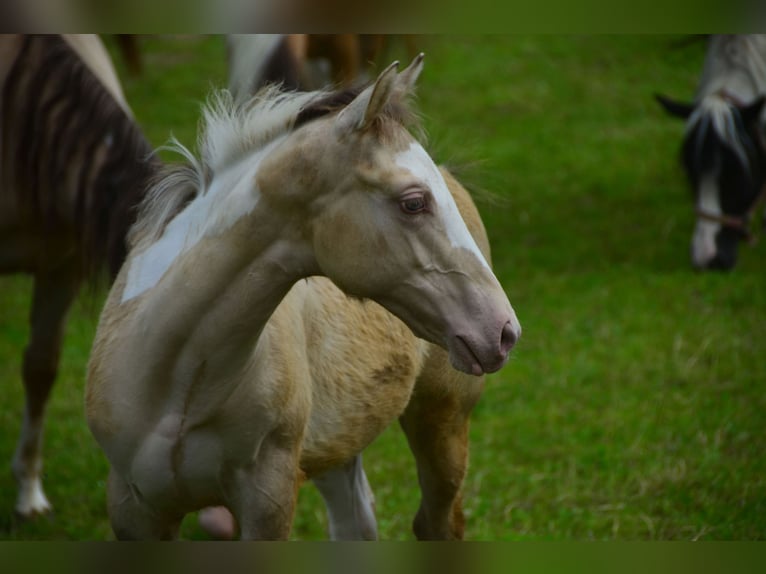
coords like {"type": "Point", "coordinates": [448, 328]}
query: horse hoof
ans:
{"type": "Point", "coordinates": [32, 502]}
{"type": "Point", "coordinates": [32, 514]}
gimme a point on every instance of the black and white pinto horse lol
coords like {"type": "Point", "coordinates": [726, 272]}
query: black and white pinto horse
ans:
{"type": "Point", "coordinates": [723, 151]}
{"type": "Point", "coordinates": [73, 166]}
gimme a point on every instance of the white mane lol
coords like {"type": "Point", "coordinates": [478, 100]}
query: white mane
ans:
{"type": "Point", "coordinates": [736, 64]}
{"type": "Point", "coordinates": [230, 130]}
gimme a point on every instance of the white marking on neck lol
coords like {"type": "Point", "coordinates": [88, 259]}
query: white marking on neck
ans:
{"type": "Point", "coordinates": [705, 231]}
{"type": "Point", "coordinates": [419, 163]}
{"type": "Point", "coordinates": [230, 196]}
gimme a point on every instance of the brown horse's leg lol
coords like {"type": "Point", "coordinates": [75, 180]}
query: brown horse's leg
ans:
{"type": "Point", "coordinates": [436, 425]}
{"type": "Point", "coordinates": [346, 56]}
{"type": "Point", "coordinates": [349, 501]}
{"type": "Point", "coordinates": [131, 518]}
{"type": "Point", "coordinates": [131, 52]}
{"type": "Point", "coordinates": [263, 495]}
{"type": "Point", "coordinates": [53, 295]}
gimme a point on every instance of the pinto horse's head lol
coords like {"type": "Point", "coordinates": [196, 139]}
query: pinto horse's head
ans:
{"type": "Point", "coordinates": [725, 161]}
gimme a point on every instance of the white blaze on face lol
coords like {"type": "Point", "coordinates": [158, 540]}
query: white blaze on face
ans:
{"type": "Point", "coordinates": [417, 161]}
{"type": "Point", "coordinates": [705, 231]}
{"type": "Point", "coordinates": [230, 196]}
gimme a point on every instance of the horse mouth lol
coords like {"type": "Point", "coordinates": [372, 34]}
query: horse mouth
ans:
{"type": "Point", "coordinates": [463, 358]}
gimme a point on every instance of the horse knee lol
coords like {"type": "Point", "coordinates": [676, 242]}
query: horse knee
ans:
{"type": "Point", "coordinates": [430, 525]}
{"type": "Point", "coordinates": [38, 375]}
{"type": "Point", "coordinates": [265, 493]}
{"type": "Point", "coordinates": [131, 518]}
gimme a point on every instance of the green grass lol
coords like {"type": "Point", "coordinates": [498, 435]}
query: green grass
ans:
{"type": "Point", "coordinates": [633, 406]}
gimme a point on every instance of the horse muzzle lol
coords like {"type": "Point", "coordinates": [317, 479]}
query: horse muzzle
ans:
{"type": "Point", "coordinates": [486, 354]}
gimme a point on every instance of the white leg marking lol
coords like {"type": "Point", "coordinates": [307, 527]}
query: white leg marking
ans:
{"type": "Point", "coordinates": [350, 502]}
{"type": "Point", "coordinates": [31, 499]}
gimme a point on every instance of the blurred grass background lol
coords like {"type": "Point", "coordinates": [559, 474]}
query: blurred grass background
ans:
{"type": "Point", "coordinates": [633, 407]}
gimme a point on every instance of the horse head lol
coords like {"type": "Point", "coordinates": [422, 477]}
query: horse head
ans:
{"type": "Point", "coordinates": [724, 157]}
{"type": "Point", "coordinates": [383, 225]}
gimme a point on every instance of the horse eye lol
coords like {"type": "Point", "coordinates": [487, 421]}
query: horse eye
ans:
{"type": "Point", "coordinates": [414, 204]}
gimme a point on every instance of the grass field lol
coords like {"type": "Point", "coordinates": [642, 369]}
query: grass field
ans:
{"type": "Point", "coordinates": [633, 407]}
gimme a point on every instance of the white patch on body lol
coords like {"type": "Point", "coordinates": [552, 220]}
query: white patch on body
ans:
{"type": "Point", "coordinates": [32, 499]}
{"type": "Point", "coordinates": [419, 163]}
{"type": "Point", "coordinates": [231, 195]}
{"type": "Point", "coordinates": [705, 231]}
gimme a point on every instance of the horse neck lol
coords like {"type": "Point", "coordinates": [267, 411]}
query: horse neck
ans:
{"type": "Point", "coordinates": [735, 65]}
{"type": "Point", "coordinates": [215, 296]}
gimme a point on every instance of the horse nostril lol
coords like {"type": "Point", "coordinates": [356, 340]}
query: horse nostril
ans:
{"type": "Point", "coordinates": [508, 338]}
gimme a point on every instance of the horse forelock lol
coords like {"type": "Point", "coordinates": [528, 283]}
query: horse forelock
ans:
{"type": "Point", "coordinates": [717, 122]}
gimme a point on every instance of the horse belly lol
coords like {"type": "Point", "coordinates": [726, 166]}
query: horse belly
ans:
{"type": "Point", "coordinates": [363, 363]}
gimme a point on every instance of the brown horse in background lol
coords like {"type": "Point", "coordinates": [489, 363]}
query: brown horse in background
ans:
{"type": "Point", "coordinates": [306, 61]}
{"type": "Point", "coordinates": [73, 166]}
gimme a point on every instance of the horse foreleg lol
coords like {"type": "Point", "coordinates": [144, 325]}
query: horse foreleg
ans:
{"type": "Point", "coordinates": [436, 425]}
{"type": "Point", "coordinates": [349, 501]}
{"type": "Point", "coordinates": [262, 496]}
{"type": "Point", "coordinates": [131, 517]}
{"type": "Point", "coordinates": [53, 295]}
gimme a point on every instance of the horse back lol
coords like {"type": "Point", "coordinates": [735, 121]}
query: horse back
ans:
{"type": "Point", "coordinates": [73, 163]}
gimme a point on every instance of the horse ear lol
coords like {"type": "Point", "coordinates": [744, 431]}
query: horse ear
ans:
{"type": "Point", "coordinates": [674, 108]}
{"type": "Point", "coordinates": [410, 74]}
{"type": "Point", "coordinates": [367, 105]}
{"type": "Point", "coordinates": [751, 113]}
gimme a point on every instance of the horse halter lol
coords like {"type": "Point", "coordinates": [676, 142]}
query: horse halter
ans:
{"type": "Point", "coordinates": [739, 223]}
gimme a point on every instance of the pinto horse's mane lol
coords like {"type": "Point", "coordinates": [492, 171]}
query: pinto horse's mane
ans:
{"type": "Point", "coordinates": [735, 62]}
{"type": "Point", "coordinates": [230, 131]}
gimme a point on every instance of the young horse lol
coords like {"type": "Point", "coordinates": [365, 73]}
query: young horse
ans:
{"type": "Point", "coordinates": [435, 419]}
{"type": "Point", "coordinates": [202, 389]}
{"type": "Point", "coordinates": [72, 167]}
{"type": "Point", "coordinates": [723, 151]}
{"type": "Point", "coordinates": [346, 487]}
